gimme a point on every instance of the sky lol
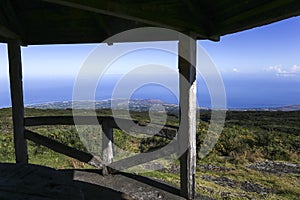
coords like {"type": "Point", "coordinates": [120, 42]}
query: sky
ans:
{"type": "Point", "coordinates": [268, 52]}
{"type": "Point", "coordinates": [271, 48]}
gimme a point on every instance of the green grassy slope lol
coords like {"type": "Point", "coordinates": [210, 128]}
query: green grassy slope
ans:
{"type": "Point", "coordinates": [247, 138]}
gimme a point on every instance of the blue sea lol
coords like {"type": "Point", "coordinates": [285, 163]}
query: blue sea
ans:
{"type": "Point", "coordinates": [241, 92]}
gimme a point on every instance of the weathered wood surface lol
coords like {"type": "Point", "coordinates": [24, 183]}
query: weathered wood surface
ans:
{"type": "Point", "coordinates": [167, 131]}
{"type": "Point", "coordinates": [145, 157]}
{"type": "Point", "coordinates": [6, 33]}
{"type": "Point", "coordinates": [188, 107]}
{"type": "Point", "coordinates": [66, 150]}
{"type": "Point", "coordinates": [20, 181]}
{"type": "Point", "coordinates": [134, 186]}
{"type": "Point", "coordinates": [16, 88]}
{"type": "Point", "coordinates": [33, 182]}
{"type": "Point", "coordinates": [107, 146]}
{"type": "Point", "coordinates": [107, 143]}
{"type": "Point", "coordinates": [97, 162]}
{"type": "Point", "coordinates": [108, 123]}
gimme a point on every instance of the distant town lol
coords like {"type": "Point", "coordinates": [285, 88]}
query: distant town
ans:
{"type": "Point", "coordinates": [139, 105]}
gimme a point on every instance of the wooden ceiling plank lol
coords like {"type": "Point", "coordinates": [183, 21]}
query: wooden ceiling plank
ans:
{"type": "Point", "coordinates": [262, 9]}
{"type": "Point", "coordinates": [12, 26]}
{"type": "Point", "coordinates": [113, 13]}
{"type": "Point", "coordinates": [8, 34]}
{"type": "Point", "coordinates": [119, 11]}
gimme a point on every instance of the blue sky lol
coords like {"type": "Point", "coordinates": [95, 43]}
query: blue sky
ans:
{"type": "Point", "coordinates": [274, 48]}
{"type": "Point", "coordinates": [259, 50]}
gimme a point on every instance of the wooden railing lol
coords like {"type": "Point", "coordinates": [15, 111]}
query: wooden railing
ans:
{"type": "Point", "coordinates": [108, 124]}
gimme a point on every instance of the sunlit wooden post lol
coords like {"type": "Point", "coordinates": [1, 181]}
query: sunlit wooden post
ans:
{"type": "Point", "coordinates": [16, 88]}
{"type": "Point", "coordinates": [188, 109]}
{"type": "Point", "coordinates": [107, 145]}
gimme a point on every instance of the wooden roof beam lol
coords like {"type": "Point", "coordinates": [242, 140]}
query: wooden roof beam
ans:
{"type": "Point", "coordinates": [112, 12]}
{"type": "Point", "coordinates": [8, 34]}
{"type": "Point", "coordinates": [255, 11]}
{"type": "Point", "coordinates": [9, 24]}
{"type": "Point", "coordinates": [248, 18]}
{"type": "Point", "coordinates": [119, 11]}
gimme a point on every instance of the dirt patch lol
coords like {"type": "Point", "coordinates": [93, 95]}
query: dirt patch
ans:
{"type": "Point", "coordinates": [215, 168]}
{"type": "Point", "coordinates": [244, 185]}
{"type": "Point", "coordinates": [175, 169]}
{"type": "Point", "coordinates": [276, 167]}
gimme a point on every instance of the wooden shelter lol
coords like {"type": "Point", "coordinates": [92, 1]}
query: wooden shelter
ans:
{"type": "Point", "coordinates": [39, 22]}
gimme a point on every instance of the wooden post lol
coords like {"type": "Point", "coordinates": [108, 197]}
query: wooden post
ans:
{"type": "Point", "coordinates": [16, 88]}
{"type": "Point", "coordinates": [107, 145]}
{"type": "Point", "coordinates": [188, 109]}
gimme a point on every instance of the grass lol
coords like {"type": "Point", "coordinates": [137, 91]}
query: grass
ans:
{"type": "Point", "coordinates": [246, 138]}
{"type": "Point", "coordinates": [282, 187]}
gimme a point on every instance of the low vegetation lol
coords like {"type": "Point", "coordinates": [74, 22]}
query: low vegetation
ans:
{"type": "Point", "coordinates": [230, 171]}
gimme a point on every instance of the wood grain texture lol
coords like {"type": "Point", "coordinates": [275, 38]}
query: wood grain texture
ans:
{"type": "Point", "coordinates": [188, 109]}
{"type": "Point", "coordinates": [16, 87]}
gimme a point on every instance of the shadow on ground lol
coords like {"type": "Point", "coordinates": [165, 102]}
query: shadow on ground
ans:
{"type": "Point", "coordinates": [19, 181]}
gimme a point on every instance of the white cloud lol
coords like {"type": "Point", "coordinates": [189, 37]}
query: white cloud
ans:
{"type": "Point", "coordinates": [280, 71]}
{"type": "Point", "coordinates": [235, 70]}
{"type": "Point", "coordinates": [295, 68]}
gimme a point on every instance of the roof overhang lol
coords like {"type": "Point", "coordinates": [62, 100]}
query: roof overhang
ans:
{"type": "Point", "coordinates": [90, 21]}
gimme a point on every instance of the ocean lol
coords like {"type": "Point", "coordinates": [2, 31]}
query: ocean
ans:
{"type": "Point", "coordinates": [241, 92]}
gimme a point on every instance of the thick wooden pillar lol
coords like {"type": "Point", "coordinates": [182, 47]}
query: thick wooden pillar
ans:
{"type": "Point", "coordinates": [188, 109]}
{"type": "Point", "coordinates": [107, 145]}
{"type": "Point", "coordinates": [16, 89]}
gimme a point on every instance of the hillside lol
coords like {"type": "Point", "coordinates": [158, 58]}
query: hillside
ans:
{"type": "Point", "coordinates": [256, 157]}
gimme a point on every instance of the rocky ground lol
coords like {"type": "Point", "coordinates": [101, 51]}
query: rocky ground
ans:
{"type": "Point", "coordinates": [246, 186]}
{"type": "Point", "coordinates": [207, 167]}
{"type": "Point", "coordinates": [265, 167]}
{"type": "Point", "coordinates": [276, 167]}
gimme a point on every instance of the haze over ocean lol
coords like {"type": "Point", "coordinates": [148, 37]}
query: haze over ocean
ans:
{"type": "Point", "coordinates": [242, 92]}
